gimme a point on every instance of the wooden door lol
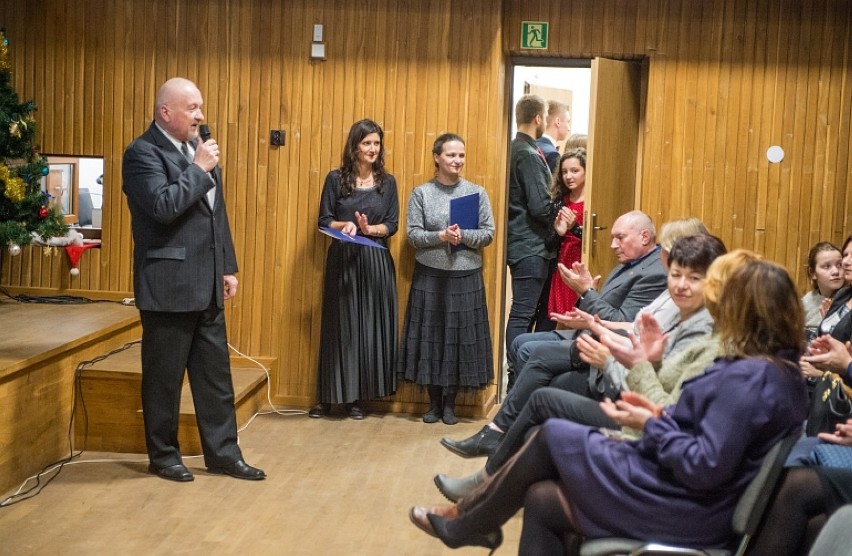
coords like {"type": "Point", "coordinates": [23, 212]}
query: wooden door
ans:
{"type": "Point", "coordinates": [611, 175]}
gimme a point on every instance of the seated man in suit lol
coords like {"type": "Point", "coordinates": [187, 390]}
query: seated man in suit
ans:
{"type": "Point", "coordinates": [633, 284]}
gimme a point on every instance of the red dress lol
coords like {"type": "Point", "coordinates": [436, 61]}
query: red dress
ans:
{"type": "Point", "coordinates": [562, 298]}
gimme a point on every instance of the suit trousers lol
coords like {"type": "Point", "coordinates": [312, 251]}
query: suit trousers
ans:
{"type": "Point", "coordinates": [548, 361]}
{"type": "Point", "coordinates": [196, 343]}
{"type": "Point", "coordinates": [546, 403]}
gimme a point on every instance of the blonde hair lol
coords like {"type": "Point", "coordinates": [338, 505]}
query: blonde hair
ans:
{"type": "Point", "coordinates": [676, 229]}
{"type": "Point", "coordinates": [718, 274]}
{"type": "Point", "coordinates": [576, 141]}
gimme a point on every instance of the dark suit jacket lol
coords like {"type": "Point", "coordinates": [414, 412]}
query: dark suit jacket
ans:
{"type": "Point", "coordinates": [182, 248]}
{"type": "Point", "coordinates": [626, 291]}
{"type": "Point", "coordinates": [551, 155]}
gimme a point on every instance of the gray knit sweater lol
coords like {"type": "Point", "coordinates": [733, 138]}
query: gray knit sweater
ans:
{"type": "Point", "coordinates": [429, 213]}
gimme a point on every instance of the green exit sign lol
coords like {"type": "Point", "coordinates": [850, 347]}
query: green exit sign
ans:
{"type": "Point", "coordinates": [534, 35]}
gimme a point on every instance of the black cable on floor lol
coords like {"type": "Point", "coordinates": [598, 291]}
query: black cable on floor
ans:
{"type": "Point", "coordinates": [59, 464]}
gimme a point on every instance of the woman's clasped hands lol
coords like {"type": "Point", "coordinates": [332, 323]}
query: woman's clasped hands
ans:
{"type": "Point", "coordinates": [452, 235]}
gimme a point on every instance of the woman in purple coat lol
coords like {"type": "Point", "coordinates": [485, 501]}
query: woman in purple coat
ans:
{"type": "Point", "coordinates": [681, 481]}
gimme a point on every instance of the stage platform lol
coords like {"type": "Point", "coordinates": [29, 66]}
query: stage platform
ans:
{"type": "Point", "coordinates": [41, 345]}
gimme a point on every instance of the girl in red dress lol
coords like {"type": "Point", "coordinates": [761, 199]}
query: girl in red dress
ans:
{"type": "Point", "coordinates": [567, 187]}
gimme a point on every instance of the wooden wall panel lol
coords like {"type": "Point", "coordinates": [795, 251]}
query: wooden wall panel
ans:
{"type": "Point", "coordinates": [726, 79]}
{"type": "Point", "coordinates": [419, 68]}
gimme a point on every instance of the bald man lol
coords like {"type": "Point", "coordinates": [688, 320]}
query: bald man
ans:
{"type": "Point", "coordinates": [184, 268]}
{"type": "Point", "coordinates": [549, 358]}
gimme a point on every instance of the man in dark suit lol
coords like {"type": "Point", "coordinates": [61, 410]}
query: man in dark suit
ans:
{"type": "Point", "coordinates": [556, 129]}
{"type": "Point", "coordinates": [633, 284]}
{"type": "Point", "coordinates": [184, 269]}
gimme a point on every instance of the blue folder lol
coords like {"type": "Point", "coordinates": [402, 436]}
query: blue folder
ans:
{"type": "Point", "coordinates": [360, 240]}
{"type": "Point", "coordinates": [464, 211]}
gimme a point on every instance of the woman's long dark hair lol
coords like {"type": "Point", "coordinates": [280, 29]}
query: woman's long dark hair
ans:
{"type": "Point", "coordinates": [349, 162]}
{"type": "Point", "coordinates": [557, 188]}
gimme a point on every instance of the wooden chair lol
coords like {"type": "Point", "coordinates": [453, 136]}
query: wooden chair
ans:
{"type": "Point", "coordinates": [747, 515]}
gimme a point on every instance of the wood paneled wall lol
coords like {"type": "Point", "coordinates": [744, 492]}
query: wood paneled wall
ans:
{"type": "Point", "coordinates": [419, 68]}
{"type": "Point", "coordinates": [726, 79]}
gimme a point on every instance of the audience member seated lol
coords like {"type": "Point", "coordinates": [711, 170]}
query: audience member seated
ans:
{"type": "Point", "coordinates": [691, 256]}
{"type": "Point", "coordinates": [632, 285]}
{"type": "Point", "coordinates": [806, 498]}
{"type": "Point", "coordinates": [825, 270]}
{"type": "Point", "coordinates": [681, 481]}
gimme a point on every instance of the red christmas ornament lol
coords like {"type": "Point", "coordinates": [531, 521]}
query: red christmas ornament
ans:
{"type": "Point", "coordinates": [42, 212]}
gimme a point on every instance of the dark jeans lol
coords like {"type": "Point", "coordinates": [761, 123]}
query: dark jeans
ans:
{"type": "Point", "coordinates": [528, 278]}
{"type": "Point", "coordinates": [571, 403]}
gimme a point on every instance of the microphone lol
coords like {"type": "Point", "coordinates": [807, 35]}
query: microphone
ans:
{"type": "Point", "coordinates": [204, 130]}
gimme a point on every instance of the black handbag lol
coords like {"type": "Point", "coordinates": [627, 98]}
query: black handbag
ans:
{"type": "Point", "coordinates": [830, 405]}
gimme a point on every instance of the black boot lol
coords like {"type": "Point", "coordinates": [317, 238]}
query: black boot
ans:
{"type": "Point", "coordinates": [483, 443]}
{"type": "Point", "coordinates": [435, 411]}
{"type": "Point", "coordinates": [449, 417]}
{"type": "Point", "coordinates": [490, 540]}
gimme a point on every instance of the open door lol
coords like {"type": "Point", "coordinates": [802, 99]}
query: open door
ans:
{"type": "Point", "coordinates": [611, 176]}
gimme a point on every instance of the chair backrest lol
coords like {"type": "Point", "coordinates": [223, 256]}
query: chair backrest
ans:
{"type": "Point", "coordinates": [754, 501]}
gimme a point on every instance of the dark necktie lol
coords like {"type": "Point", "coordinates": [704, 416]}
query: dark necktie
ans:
{"type": "Point", "coordinates": [185, 151]}
{"type": "Point", "coordinates": [211, 193]}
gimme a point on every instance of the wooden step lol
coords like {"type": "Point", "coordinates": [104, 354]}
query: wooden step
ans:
{"type": "Point", "coordinates": [108, 415]}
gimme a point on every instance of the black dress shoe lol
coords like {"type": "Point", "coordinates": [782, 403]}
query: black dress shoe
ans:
{"type": "Point", "coordinates": [175, 472]}
{"type": "Point", "coordinates": [238, 469]}
{"type": "Point", "coordinates": [355, 412]}
{"type": "Point", "coordinates": [483, 443]}
{"type": "Point", "coordinates": [319, 410]}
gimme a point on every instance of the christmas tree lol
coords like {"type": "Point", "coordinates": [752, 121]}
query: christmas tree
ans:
{"type": "Point", "coordinates": [24, 207]}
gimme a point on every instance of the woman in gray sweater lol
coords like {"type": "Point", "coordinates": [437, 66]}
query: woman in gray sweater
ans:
{"type": "Point", "coordinates": [447, 339]}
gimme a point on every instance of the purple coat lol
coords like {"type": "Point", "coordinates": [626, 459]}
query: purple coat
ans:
{"type": "Point", "coordinates": [681, 481]}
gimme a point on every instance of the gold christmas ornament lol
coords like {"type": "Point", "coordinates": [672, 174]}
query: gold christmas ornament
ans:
{"type": "Point", "coordinates": [14, 186]}
{"type": "Point", "coordinates": [14, 130]}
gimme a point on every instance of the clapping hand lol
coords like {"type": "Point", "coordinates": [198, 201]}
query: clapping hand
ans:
{"type": "Point", "coordinates": [651, 337]}
{"type": "Point", "coordinates": [349, 228]}
{"type": "Point", "coordinates": [565, 220]}
{"type": "Point", "coordinates": [592, 351]}
{"type": "Point", "coordinates": [363, 224]}
{"type": "Point", "coordinates": [574, 319]}
{"type": "Point", "coordinates": [578, 277]}
{"type": "Point", "coordinates": [829, 354]}
{"type": "Point", "coordinates": [632, 410]}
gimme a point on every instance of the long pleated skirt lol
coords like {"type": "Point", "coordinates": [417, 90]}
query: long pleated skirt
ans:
{"type": "Point", "coordinates": [358, 343]}
{"type": "Point", "coordinates": [446, 337]}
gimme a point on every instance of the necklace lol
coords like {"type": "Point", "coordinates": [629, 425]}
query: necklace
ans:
{"type": "Point", "coordinates": [365, 183]}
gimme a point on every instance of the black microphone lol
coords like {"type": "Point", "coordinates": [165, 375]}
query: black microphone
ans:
{"type": "Point", "coordinates": [204, 130]}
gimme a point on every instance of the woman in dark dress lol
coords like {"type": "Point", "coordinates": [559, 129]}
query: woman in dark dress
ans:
{"type": "Point", "coordinates": [681, 481]}
{"type": "Point", "coordinates": [359, 310]}
{"type": "Point", "coordinates": [447, 339]}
